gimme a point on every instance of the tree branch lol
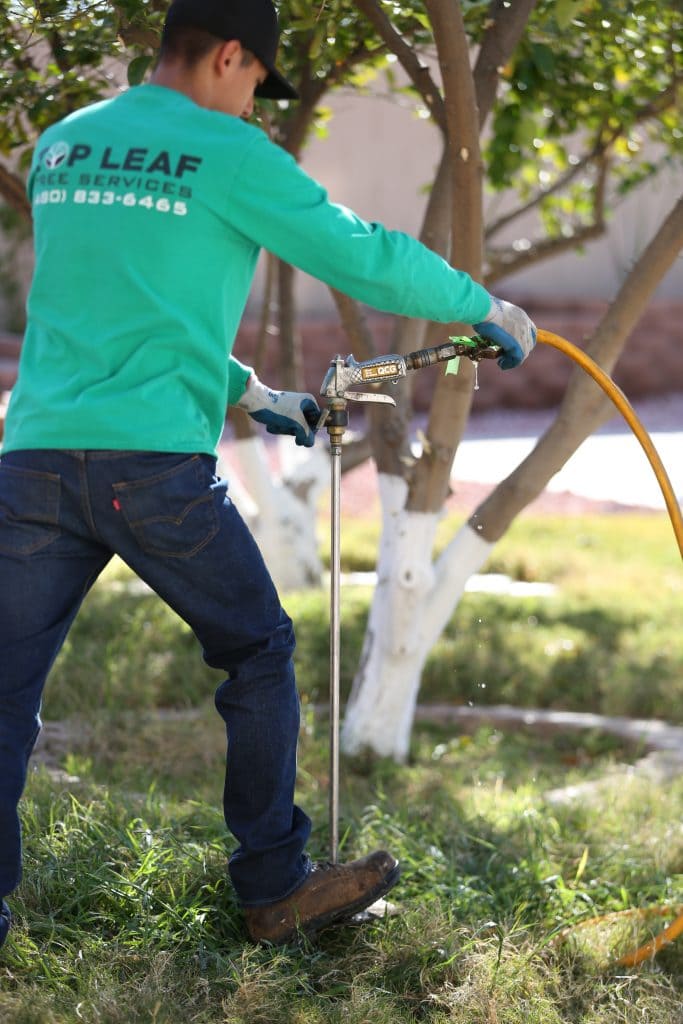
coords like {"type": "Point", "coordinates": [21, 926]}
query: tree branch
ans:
{"type": "Point", "coordinates": [311, 90]}
{"type": "Point", "coordinates": [265, 317]}
{"type": "Point", "coordinates": [355, 324]}
{"type": "Point", "coordinates": [417, 72]}
{"type": "Point", "coordinates": [512, 262]}
{"type": "Point", "coordinates": [557, 186]}
{"type": "Point", "coordinates": [54, 38]}
{"type": "Point", "coordinates": [584, 406]}
{"type": "Point", "coordinates": [506, 23]}
{"type": "Point", "coordinates": [357, 56]}
{"type": "Point", "coordinates": [637, 289]}
{"type": "Point", "coordinates": [509, 261]}
{"type": "Point", "coordinates": [355, 453]}
{"type": "Point", "coordinates": [131, 34]}
{"type": "Point", "coordinates": [133, 31]}
{"type": "Point", "coordinates": [13, 191]}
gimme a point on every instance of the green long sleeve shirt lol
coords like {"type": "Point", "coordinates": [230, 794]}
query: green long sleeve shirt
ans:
{"type": "Point", "coordinates": [149, 214]}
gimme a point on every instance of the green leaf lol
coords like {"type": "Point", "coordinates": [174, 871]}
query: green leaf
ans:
{"type": "Point", "coordinates": [582, 865]}
{"type": "Point", "coordinates": [543, 58]}
{"type": "Point", "coordinates": [566, 11]}
{"type": "Point", "coordinates": [137, 69]}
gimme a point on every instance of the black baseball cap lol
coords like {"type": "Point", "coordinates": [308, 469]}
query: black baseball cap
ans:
{"type": "Point", "coordinates": [253, 23]}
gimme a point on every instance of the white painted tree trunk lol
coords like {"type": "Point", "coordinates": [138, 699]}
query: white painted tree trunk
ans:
{"type": "Point", "coordinates": [280, 505]}
{"type": "Point", "coordinates": [413, 601]}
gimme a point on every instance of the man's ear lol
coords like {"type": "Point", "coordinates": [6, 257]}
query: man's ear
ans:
{"type": "Point", "coordinates": [225, 55]}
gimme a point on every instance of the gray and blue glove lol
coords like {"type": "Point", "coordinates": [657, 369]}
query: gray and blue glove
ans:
{"type": "Point", "coordinates": [282, 412]}
{"type": "Point", "coordinates": [511, 329]}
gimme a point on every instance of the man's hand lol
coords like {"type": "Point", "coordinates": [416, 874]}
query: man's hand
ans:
{"type": "Point", "coordinates": [282, 412]}
{"type": "Point", "coordinates": [509, 327]}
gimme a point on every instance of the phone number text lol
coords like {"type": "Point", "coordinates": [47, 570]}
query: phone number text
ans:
{"type": "Point", "coordinates": [95, 197]}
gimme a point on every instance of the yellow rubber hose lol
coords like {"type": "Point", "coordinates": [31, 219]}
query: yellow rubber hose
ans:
{"type": "Point", "coordinates": [627, 411]}
{"type": "Point", "coordinates": [672, 931]}
{"type": "Point", "coordinates": [650, 949]}
{"type": "Point", "coordinates": [644, 952]}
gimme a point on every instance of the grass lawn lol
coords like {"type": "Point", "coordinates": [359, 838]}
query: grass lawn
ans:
{"type": "Point", "coordinates": [125, 914]}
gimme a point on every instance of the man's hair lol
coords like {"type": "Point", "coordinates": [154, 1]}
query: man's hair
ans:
{"type": "Point", "coordinates": [190, 45]}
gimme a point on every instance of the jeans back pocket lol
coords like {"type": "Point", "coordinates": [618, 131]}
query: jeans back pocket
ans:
{"type": "Point", "coordinates": [29, 510]}
{"type": "Point", "coordinates": [172, 514]}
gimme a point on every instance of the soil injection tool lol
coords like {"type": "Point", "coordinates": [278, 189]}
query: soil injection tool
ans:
{"type": "Point", "coordinates": [345, 374]}
{"type": "Point", "coordinates": [342, 376]}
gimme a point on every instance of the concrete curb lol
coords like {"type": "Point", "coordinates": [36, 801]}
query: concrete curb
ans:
{"type": "Point", "coordinates": [664, 742]}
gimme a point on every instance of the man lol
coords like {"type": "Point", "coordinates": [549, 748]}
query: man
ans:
{"type": "Point", "coordinates": [150, 210]}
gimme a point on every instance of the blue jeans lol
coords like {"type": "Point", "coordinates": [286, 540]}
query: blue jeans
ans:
{"type": "Point", "coordinates": [63, 514]}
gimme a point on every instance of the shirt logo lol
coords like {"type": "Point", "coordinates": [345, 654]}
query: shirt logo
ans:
{"type": "Point", "coordinates": [56, 155]}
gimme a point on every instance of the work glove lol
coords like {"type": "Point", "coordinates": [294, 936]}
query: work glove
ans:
{"type": "Point", "coordinates": [282, 412]}
{"type": "Point", "coordinates": [511, 329]}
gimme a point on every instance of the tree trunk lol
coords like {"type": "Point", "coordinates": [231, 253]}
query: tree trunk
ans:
{"type": "Point", "coordinates": [408, 608]}
{"type": "Point", "coordinates": [289, 337]}
{"type": "Point", "coordinates": [280, 506]}
{"type": "Point", "coordinates": [413, 601]}
{"type": "Point", "coordinates": [453, 393]}
{"type": "Point", "coordinates": [388, 427]}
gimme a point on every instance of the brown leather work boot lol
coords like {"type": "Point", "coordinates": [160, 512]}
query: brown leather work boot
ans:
{"type": "Point", "coordinates": [331, 892]}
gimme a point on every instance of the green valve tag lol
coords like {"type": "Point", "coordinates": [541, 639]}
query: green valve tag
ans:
{"type": "Point", "coordinates": [453, 365]}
